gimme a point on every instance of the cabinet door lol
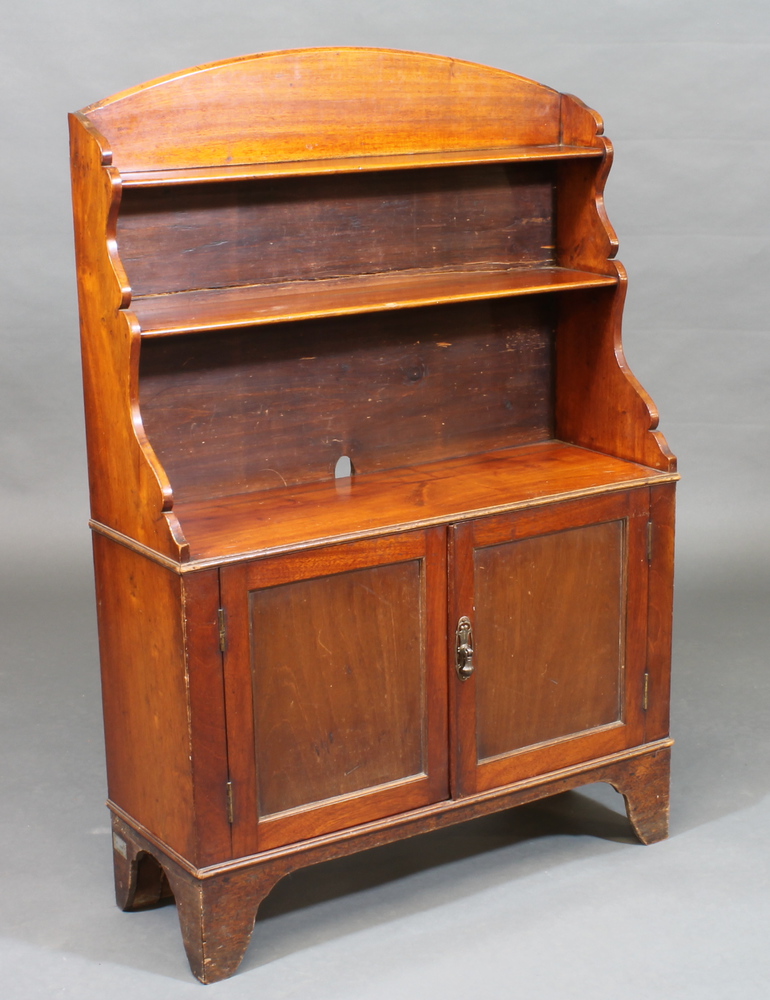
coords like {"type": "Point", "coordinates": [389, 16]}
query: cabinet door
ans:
{"type": "Point", "coordinates": [336, 686]}
{"type": "Point", "coordinates": [557, 600]}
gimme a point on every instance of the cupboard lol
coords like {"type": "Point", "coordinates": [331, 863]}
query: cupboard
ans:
{"type": "Point", "coordinates": [383, 525]}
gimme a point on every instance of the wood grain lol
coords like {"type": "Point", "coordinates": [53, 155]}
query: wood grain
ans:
{"type": "Point", "coordinates": [207, 718]}
{"type": "Point", "coordinates": [661, 601]}
{"type": "Point", "coordinates": [322, 103]}
{"type": "Point", "coordinates": [181, 175]}
{"type": "Point", "coordinates": [549, 630]}
{"type": "Point", "coordinates": [533, 630]}
{"type": "Point", "coordinates": [405, 260]}
{"type": "Point", "coordinates": [599, 403]}
{"type": "Point", "coordinates": [277, 520]}
{"type": "Point", "coordinates": [144, 691]}
{"type": "Point", "coordinates": [129, 489]}
{"type": "Point", "coordinates": [217, 906]}
{"type": "Point", "coordinates": [251, 410]}
{"type": "Point", "coordinates": [338, 684]}
{"type": "Point", "coordinates": [259, 305]}
{"type": "Point", "coordinates": [584, 232]}
{"type": "Point", "coordinates": [341, 654]}
{"type": "Point", "coordinates": [315, 228]}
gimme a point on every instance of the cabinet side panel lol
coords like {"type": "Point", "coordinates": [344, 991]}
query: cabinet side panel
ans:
{"type": "Point", "coordinates": [599, 403]}
{"type": "Point", "coordinates": [207, 716]}
{"type": "Point", "coordinates": [129, 489]}
{"type": "Point", "coordinates": [661, 587]}
{"type": "Point", "coordinates": [144, 690]}
{"type": "Point", "coordinates": [549, 636]}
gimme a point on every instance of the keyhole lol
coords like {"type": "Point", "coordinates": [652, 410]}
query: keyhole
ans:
{"type": "Point", "coordinates": [344, 468]}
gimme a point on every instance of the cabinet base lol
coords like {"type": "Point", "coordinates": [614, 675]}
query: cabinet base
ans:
{"type": "Point", "coordinates": [218, 905]}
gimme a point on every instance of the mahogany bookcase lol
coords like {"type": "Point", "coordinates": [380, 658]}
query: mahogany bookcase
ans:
{"type": "Point", "coordinates": [383, 526]}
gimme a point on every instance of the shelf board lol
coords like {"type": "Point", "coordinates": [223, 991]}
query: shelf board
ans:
{"type": "Point", "coordinates": [285, 519]}
{"type": "Point", "coordinates": [256, 305]}
{"type": "Point", "coordinates": [354, 164]}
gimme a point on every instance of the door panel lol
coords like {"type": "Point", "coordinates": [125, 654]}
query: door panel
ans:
{"type": "Point", "coordinates": [330, 718]}
{"type": "Point", "coordinates": [558, 665]}
{"type": "Point", "coordinates": [336, 686]}
{"type": "Point", "coordinates": [549, 630]}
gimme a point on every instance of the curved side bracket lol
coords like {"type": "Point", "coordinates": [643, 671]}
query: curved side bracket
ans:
{"type": "Point", "coordinates": [600, 404]}
{"type": "Point", "coordinates": [130, 491]}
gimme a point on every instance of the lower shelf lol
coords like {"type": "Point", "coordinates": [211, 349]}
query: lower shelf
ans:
{"type": "Point", "coordinates": [272, 521]}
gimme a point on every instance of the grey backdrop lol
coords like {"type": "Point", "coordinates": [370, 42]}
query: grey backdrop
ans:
{"type": "Point", "coordinates": [530, 904]}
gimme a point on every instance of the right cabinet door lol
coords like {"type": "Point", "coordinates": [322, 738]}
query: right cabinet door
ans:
{"type": "Point", "coordinates": [556, 598]}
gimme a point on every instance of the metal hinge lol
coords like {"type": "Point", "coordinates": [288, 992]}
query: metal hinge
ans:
{"type": "Point", "coordinates": [649, 540]}
{"type": "Point", "coordinates": [230, 803]}
{"type": "Point", "coordinates": [646, 693]}
{"type": "Point", "coordinates": [222, 629]}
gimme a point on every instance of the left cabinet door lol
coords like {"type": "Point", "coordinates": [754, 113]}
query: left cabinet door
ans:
{"type": "Point", "coordinates": [335, 679]}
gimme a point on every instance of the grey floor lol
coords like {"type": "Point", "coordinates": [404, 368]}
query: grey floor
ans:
{"type": "Point", "coordinates": [554, 900]}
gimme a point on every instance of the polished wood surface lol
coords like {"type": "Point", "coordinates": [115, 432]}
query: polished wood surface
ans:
{"type": "Point", "coordinates": [163, 699]}
{"type": "Point", "coordinates": [144, 690]}
{"type": "Point", "coordinates": [508, 723]}
{"type": "Point", "coordinates": [355, 164]}
{"type": "Point", "coordinates": [321, 103]}
{"type": "Point", "coordinates": [206, 716]}
{"type": "Point", "coordinates": [250, 305]}
{"type": "Point", "coordinates": [315, 228]}
{"type": "Point", "coordinates": [549, 630]}
{"type": "Point", "coordinates": [341, 653]}
{"type": "Point", "coordinates": [338, 707]}
{"type": "Point", "coordinates": [661, 605]}
{"type": "Point", "coordinates": [129, 489]}
{"type": "Point", "coordinates": [260, 410]}
{"type": "Point", "coordinates": [275, 520]}
{"type": "Point", "coordinates": [584, 235]}
{"type": "Point", "coordinates": [621, 419]}
{"type": "Point", "coordinates": [217, 906]}
{"type": "Point", "coordinates": [295, 261]}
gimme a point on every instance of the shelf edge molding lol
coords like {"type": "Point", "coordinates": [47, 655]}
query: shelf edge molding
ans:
{"type": "Point", "coordinates": [200, 310]}
{"type": "Point", "coordinates": [171, 177]}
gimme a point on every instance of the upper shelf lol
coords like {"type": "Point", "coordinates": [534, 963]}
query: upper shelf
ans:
{"type": "Point", "coordinates": [199, 310]}
{"type": "Point", "coordinates": [355, 164]}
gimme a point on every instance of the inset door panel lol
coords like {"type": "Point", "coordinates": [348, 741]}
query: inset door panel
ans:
{"type": "Point", "coordinates": [337, 666]}
{"type": "Point", "coordinates": [549, 595]}
{"type": "Point", "coordinates": [338, 661]}
{"type": "Point", "coordinates": [550, 627]}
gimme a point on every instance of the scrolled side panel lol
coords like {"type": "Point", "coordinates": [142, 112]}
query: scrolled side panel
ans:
{"type": "Point", "coordinates": [130, 492]}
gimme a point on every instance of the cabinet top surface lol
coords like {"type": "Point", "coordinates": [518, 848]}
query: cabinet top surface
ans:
{"type": "Point", "coordinates": [256, 524]}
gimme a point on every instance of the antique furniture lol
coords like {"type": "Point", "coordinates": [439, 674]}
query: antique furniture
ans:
{"type": "Point", "coordinates": [383, 527]}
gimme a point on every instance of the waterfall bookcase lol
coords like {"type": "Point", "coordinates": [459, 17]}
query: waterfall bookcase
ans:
{"type": "Point", "coordinates": [383, 526]}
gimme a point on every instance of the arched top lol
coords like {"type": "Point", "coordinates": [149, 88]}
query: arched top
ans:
{"type": "Point", "coordinates": [323, 103]}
